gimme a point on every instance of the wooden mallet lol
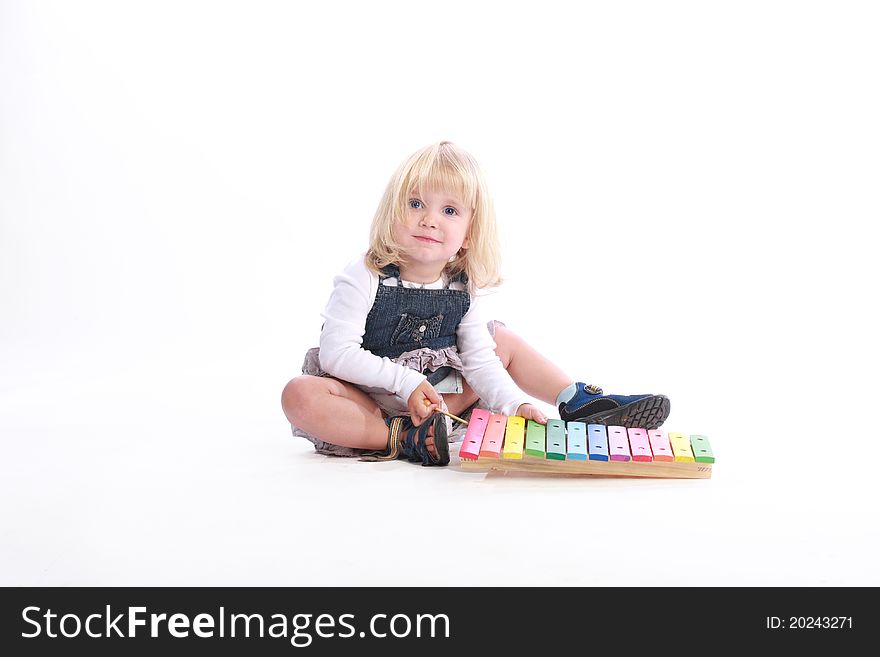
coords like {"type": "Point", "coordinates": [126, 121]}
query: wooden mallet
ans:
{"type": "Point", "coordinates": [454, 417]}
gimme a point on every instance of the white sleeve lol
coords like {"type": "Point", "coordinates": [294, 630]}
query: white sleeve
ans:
{"type": "Point", "coordinates": [345, 318]}
{"type": "Point", "coordinates": [483, 369]}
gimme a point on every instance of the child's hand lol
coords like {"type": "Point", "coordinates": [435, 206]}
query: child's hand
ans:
{"type": "Point", "coordinates": [422, 402]}
{"type": "Point", "coordinates": [529, 412]}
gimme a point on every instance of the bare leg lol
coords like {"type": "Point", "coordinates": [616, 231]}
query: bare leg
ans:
{"type": "Point", "coordinates": [337, 412]}
{"type": "Point", "coordinates": [533, 373]}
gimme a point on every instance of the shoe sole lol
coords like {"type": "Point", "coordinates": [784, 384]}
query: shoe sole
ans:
{"type": "Point", "coordinates": [441, 440]}
{"type": "Point", "coordinates": [648, 413]}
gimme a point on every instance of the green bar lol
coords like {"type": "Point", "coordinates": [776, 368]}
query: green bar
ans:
{"type": "Point", "coordinates": [702, 449]}
{"type": "Point", "coordinates": [534, 439]}
{"type": "Point", "coordinates": [556, 440]}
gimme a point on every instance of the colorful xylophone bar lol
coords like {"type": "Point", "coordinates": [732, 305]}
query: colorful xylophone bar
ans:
{"type": "Point", "coordinates": [512, 443]}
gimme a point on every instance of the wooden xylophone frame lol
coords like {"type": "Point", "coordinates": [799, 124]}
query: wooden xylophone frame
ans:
{"type": "Point", "coordinates": [683, 465]}
{"type": "Point", "coordinates": [591, 468]}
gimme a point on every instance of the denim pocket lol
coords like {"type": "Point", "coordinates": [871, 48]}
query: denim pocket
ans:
{"type": "Point", "coordinates": [412, 328]}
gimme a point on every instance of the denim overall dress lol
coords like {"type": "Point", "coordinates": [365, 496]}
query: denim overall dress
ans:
{"type": "Point", "coordinates": [404, 320]}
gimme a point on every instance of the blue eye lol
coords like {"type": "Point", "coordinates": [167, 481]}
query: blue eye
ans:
{"type": "Point", "coordinates": [415, 203]}
{"type": "Point", "coordinates": [453, 211]}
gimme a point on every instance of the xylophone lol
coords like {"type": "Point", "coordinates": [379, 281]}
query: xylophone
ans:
{"type": "Point", "coordinates": [512, 443]}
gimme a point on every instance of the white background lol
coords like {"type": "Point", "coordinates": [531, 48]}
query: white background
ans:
{"type": "Point", "coordinates": [687, 195]}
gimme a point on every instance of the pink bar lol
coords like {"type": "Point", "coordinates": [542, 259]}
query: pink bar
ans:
{"type": "Point", "coordinates": [473, 438]}
{"type": "Point", "coordinates": [493, 439]}
{"type": "Point", "coordinates": [638, 445]}
{"type": "Point", "coordinates": [618, 444]}
{"type": "Point", "coordinates": [660, 445]}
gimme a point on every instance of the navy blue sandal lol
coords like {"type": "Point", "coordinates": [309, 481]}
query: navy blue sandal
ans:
{"type": "Point", "coordinates": [406, 440]}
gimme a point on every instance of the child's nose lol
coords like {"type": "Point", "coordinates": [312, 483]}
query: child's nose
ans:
{"type": "Point", "coordinates": [429, 218]}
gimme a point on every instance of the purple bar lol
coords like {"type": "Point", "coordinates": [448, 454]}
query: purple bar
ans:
{"type": "Point", "coordinates": [618, 444]}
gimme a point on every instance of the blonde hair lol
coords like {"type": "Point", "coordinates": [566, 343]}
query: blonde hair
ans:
{"type": "Point", "coordinates": [440, 166]}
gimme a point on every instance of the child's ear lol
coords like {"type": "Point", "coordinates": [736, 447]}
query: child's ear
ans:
{"type": "Point", "coordinates": [467, 239]}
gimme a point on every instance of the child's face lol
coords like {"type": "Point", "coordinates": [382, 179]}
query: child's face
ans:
{"type": "Point", "coordinates": [434, 229]}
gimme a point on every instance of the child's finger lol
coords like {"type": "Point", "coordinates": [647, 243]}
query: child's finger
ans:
{"type": "Point", "coordinates": [424, 411]}
{"type": "Point", "coordinates": [534, 414]}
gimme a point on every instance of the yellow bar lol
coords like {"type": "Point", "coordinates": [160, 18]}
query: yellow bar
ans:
{"type": "Point", "coordinates": [681, 447]}
{"type": "Point", "coordinates": [514, 438]}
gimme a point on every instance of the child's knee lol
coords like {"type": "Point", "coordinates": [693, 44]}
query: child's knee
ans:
{"type": "Point", "coordinates": [297, 395]}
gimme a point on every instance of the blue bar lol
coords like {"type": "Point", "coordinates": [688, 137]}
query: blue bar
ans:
{"type": "Point", "coordinates": [597, 438]}
{"type": "Point", "coordinates": [577, 441]}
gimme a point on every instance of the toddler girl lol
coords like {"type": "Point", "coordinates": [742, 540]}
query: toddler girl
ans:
{"type": "Point", "coordinates": [404, 334]}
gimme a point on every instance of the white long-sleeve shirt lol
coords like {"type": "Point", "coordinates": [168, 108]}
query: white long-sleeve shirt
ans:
{"type": "Point", "coordinates": [342, 355]}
